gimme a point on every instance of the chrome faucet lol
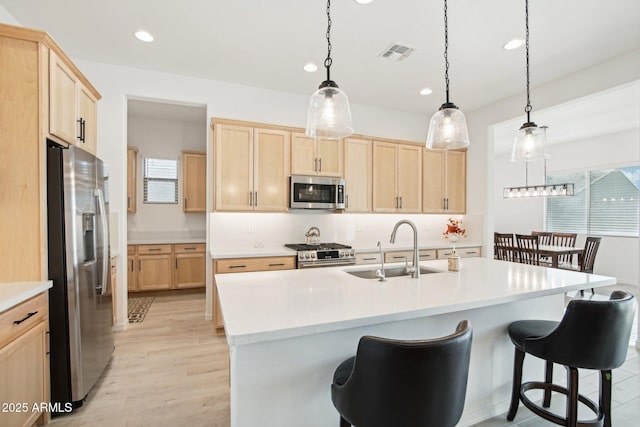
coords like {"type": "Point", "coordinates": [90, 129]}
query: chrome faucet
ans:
{"type": "Point", "coordinates": [415, 270]}
{"type": "Point", "coordinates": [380, 273]}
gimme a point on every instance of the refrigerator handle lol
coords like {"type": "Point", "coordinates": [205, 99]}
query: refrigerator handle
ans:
{"type": "Point", "coordinates": [105, 239]}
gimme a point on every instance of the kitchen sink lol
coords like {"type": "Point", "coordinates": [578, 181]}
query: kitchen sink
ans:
{"type": "Point", "coordinates": [388, 272]}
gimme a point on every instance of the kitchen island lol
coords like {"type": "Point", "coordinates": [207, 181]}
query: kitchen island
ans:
{"type": "Point", "coordinates": [288, 330]}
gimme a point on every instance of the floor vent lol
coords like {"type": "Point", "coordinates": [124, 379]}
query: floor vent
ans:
{"type": "Point", "coordinates": [397, 52]}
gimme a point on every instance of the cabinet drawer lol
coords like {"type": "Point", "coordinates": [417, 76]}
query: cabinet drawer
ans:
{"type": "Point", "coordinates": [398, 256]}
{"type": "Point", "coordinates": [462, 252]}
{"type": "Point", "coordinates": [154, 249]}
{"type": "Point", "coordinates": [239, 265]}
{"type": "Point", "coordinates": [19, 319]}
{"type": "Point", "coordinates": [371, 258]}
{"type": "Point", "coordinates": [189, 248]}
{"type": "Point", "coordinates": [131, 249]}
{"type": "Point", "coordinates": [427, 254]}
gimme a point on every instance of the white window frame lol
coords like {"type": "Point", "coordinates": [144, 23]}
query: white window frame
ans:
{"type": "Point", "coordinates": [166, 173]}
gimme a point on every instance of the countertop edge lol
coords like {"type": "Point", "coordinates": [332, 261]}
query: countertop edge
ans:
{"type": "Point", "coordinates": [166, 241]}
{"type": "Point", "coordinates": [18, 292]}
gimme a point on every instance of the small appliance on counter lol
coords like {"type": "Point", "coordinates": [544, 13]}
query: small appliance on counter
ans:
{"type": "Point", "coordinates": [323, 254]}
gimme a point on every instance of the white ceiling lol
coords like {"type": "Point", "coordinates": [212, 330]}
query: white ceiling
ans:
{"type": "Point", "coordinates": [266, 43]}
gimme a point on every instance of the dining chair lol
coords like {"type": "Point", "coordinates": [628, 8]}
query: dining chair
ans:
{"type": "Point", "coordinates": [528, 249]}
{"type": "Point", "coordinates": [404, 383]}
{"type": "Point", "coordinates": [544, 237]}
{"type": "Point", "coordinates": [587, 258]}
{"type": "Point", "coordinates": [504, 247]}
{"type": "Point", "coordinates": [567, 240]}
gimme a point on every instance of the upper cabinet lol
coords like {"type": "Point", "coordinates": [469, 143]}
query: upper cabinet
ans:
{"type": "Point", "coordinates": [311, 156]}
{"type": "Point", "coordinates": [72, 106]}
{"type": "Point", "coordinates": [444, 182]}
{"type": "Point", "coordinates": [251, 169]}
{"type": "Point", "coordinates": [194, 181]}
{"type": "Point", "coordinates": [132, 164]}
{"type": "Point", "coordinates": [357, 174]}
{"type": "Point", "coordinates": [397, 173]}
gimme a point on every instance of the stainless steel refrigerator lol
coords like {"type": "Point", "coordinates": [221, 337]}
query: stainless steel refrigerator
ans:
{"type": "Point", "coordinates": [80, 311]}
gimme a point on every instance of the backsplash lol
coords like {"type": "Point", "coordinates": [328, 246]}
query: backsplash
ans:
{"type": "Point", "coordinates": [252, 230]}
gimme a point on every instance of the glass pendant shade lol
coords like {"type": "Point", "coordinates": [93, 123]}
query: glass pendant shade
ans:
{"type": "Point", "coordinates": [447, 129]}
{"type": "Point", "coordinates": [530, 143]}
{"type": "Point", "coordinates": [329, 114]}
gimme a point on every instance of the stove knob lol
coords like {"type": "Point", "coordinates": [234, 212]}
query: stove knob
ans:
{"type": "Point", "coordinates": [313, 255]}
{"type": "Point", "coordinates": [341, 254]}
{"type": "Point", "coordinates": [306, 256]}
{"type": "Point", "coordinates": [353, 252]}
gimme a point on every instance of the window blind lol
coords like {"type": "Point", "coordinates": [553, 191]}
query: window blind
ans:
{"type": "Point", "coordinates": [160, 181]}
{"type": "Point", "coordinates": [568, 214]}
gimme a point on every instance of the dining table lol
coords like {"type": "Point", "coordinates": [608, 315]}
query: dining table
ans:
{"type": "Point", "coordinates": [554, 252]}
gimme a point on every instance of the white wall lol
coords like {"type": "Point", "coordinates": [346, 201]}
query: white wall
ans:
{"type": "Point", "coordinates": [6, 17]}
{"type": "Point", "coordinates": [164, 139]}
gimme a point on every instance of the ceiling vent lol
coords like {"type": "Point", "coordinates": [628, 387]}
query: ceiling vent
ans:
{"type": "Point", "coordinates": [397, 52]}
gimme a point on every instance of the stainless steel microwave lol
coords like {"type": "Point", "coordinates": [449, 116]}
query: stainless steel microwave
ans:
{"type": "Point", "coordinates": [316, 192]}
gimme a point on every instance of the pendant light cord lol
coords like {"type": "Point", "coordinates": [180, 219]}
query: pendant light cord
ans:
{"type": "Point", "coordinates": [528, 108]}
{"type": "Point", "coordinates": [446, 50]}
{"type": "Point", "coordinates": [328, 60]}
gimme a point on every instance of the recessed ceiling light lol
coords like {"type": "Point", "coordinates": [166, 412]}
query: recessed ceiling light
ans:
{"type": "Point", "coordinates": [143, 36]}
{"type": "Point", "coordinates": [363, 1]}
{"type": "Point", "coordinates": [426, 91]}
{"type": "Point", "coordinates": [513, 44]}
{"type": "Point", "coordinates": [310, 67]}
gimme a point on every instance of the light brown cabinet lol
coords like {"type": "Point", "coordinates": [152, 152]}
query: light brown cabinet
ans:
{"type": "Point", "coordinates": [24, 361]}
{"type": "Point", "coordinates": [399, 256]}
{"type": "Point", "coordinates": [462, 252]}
{"type": "Point", "coordinates": [194, 181]}
{"type": "Point", "coordinates": [132, 179]}
{"type": "Point", "coordinates": [311, 156]}
{"type": "Point", "coordinates": [72, 106]}
{"type": "Point", "coordinates": [163, 267]}
{"type": "Point", "coordinates": [358, 174]}
{"type": "Point", "coordinates": [444, 182]}
{"type": "Point", "coordinates": [251, 169]}
{"type": "Point", "coordinates": [241, 265]}
{"type": "Point", "coordinates": [397, 173]}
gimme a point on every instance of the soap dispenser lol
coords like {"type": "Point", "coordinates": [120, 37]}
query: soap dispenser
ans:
{"type": "Point", "coordinates": [454, 261]}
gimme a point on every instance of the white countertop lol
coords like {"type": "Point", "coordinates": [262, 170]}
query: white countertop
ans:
{"type": "Point", "coordinates": [13, 293]}
{"type": "Point", "coordinates": [166, 241]}
{"type": "Point", "coordinates": [244, 252]}
{"type": "Point", "coordinates": [388, 247]}
{"type": "Point", "coordinates": [272, 305]}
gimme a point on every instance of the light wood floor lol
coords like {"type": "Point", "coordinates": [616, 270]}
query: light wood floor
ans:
{"type": "Point", "coordinates": [170, 370]}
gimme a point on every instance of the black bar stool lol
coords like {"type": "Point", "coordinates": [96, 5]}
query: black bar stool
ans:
{"type": "Point", "coordinates": [591, 335]}
{"type": "Point", "coordinates": [404, 383]}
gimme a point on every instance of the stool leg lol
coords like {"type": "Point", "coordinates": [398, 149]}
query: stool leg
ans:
{"type": "Point", "coordinates": [344, 423]}
{"type": "Point", "coordinates": [572, 397]}
{"type": "Point", "coordinates": [548, 378]}
{"type": "Point", "coordinates": [605, 396]}
{"type": "Point", "coordinates": [518, 360]}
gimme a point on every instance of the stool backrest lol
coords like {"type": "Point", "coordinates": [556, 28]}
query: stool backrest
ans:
{"type": "Point", "coordinates": [588, 256]}
{"type": "Point", "coordinates": [409, 383]}
{"type": "Point", "coordinates": [504, 246]}
{"type": "Point", "coordinates": [593, 334]}
{"type": "Point", "coordinates": [528, 249]}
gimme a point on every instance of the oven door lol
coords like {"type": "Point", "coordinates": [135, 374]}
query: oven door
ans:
{"type": "Point", "coordinates": [311, 192]}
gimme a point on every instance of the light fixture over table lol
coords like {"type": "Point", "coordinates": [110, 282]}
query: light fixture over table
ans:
{"type": "Point", "coordinates": [329, 115]}
{"type": "Point", "coordinates": [530, 143]}
{"type": "Point", "coordinates": [448, 127]}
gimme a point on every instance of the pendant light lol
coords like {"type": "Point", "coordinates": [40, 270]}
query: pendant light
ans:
{"type": "Point", "coordinates": [329, 115]}
{"type": "Point", "coordinates": [530, 143]}
{"type": "Point", "coordinates": [448, 127]}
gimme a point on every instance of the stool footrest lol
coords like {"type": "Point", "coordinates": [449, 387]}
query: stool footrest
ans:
{"type": "Point", "coordinates": [550, 416]}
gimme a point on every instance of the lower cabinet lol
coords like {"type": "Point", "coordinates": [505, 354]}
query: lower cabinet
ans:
{"type": "Point", "coordinates": [399, 256]}
{"type": "Point", "coordinates": [462, 252]}
{"type": "Point", "coordinates": [164, 267]}
{"type": "Point", "coordinates": [24, 362]}
{"type": "Point", "coordinates": [241, 265]}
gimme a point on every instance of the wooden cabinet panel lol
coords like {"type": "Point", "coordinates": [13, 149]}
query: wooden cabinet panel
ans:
{"type": "Point", "coordinates": [409, 182]}
{"type": "Point", "coordinates": [384, 177]}
{"type": "Point", "coordinates": [233, 167]}
{"type": "Point", "coordinates": [368, 258]}
{"type": "Point", "coordinates": [398, 256]}
{"type": "Point", "coordinates": [132, 273]}
{"type": "Point", "coordinates": [9, 331]}
{"type": "Point", "coordinates": [310, 156]}
{"type": "Point", "coordinates": [271, 170]}
{"type": "Point", "coordinates": [185, 248]}
{"type": "Point", "coordinates": [154, 272]}
{"type": "Point", "coordinates": [462, 252]}
{"type": "Point", "coordinates": [194, 181]}
{"type": "Point", "coordinates": [329, 157]}
{"type": "Point", "coordinates": [397, 169]}
{"type": "Point", "coordinates": [62, 100]}
{"type": "Point", "coordinates": [132, 179]}
{"type": "Point", "coordinates": [153, 249]}
{"type": "Point", "coordinates": [88, 116]}
{"type": "Point", "coordinates": [190, 270]}
{"type": "Point", "coordinates": [357, 174]}
{"type": "Point", "coordinates": [444, 182]}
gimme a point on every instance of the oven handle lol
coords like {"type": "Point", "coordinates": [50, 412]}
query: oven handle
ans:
{"type": "Point", "coordinates": [313, 264]}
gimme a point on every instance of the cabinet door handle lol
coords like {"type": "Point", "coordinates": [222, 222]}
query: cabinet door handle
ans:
{"type": "Point", "coordinates": [276, 264]}
{"type": "Point", "coordinates": [237, 266]}
{"type": "Point", "coordinates": [176, 263]}
{"type": "Point", "coordinates": [369, 259]}
{"type": "Point", "coordinates": [320, 163]}
{"type": "Point", "coordinates": [139, 265]}
{"type": "Point", "coordinates": [79, 137]}
{"type": "Point", "coordinates": [33, 313]}
{"type": "Point", "coordinates": [250, 198]}
{"type": "Point", "coordinates": [83, 130]}
{"type": "Point", "coordinates": [128, 202]}
{"type": "Point", "coordinates": [347, 201]}
{"type": "Point", "coordinates": [400, 202]}
{"type": "Point", "coordinates": [185, 203]}
{"type": "Point", "coordinates": [315, 164]}
{"type": "Point", "coordinates": [255, 199]}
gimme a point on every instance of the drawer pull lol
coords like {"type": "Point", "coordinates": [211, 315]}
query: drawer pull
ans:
{"type": "Point", "coordinates": [33, 313]}
{"type": "Point", "coordinates": [237, 266]}
{"type": "Point", "coordinates": [276, 264]}
{"type": "Point", "coordinates": [190, 249]}
{"type": "Point", "coordinates": [471, 252]}
{"type": "Point", "coordinates": [369, 259]}
{"type": "Point", "coordinates": [398, 257]}
{"type": "Point", "coordinates": [154, 249]}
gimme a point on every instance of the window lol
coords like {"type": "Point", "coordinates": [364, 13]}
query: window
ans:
{"type": "Point", "coordinates": [160, 181]}
{"type": "Point", "coordinates": [605, 202]}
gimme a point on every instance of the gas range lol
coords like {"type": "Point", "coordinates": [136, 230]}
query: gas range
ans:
{"type": "Point", "coordinates": [323, 254]}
